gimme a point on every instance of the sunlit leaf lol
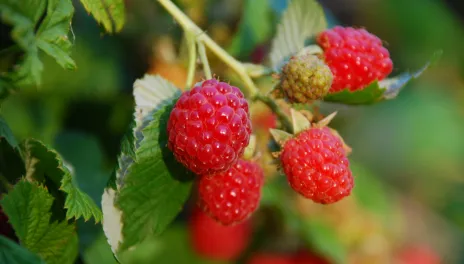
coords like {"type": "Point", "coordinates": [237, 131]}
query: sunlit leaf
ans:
{"type": "Point", "coordinates": [302, 20]}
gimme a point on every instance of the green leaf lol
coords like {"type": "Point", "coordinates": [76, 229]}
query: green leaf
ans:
{"type": "Point", "coordinates": [28, 209]}
{"type": "Point", "coordinates": [45, 165]}
{"type": "Point", "coordinates": [7, 134]}
{"type": "Point", "coordinates": [109, 13]}
{"type": "Point", "coordinates": [254, 29]}
{"type": "Point", "coordinates": [156, 186]}
{"type": "Point", "coordinates": [302, 20]}
{"type": "Point", "coordinates": [51, 35]}
{"type": "Point", "coordinates": [377, 91]}
{"type": "Point", "coordinates": [323, 239]}
{"type": "Point", "coordinates": [151, 93]}
{"type": "Point", "coordinates": [11, 164]}
{"type": "Point", "coordinates": [12, 253]}
{"type": "Point", "coordinates": [171, 247]}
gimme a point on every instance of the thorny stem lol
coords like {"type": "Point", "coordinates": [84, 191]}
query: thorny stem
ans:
{"type": "Point", "coordinates": [192, 51]}
{"type": "Point", "coordinates": [203, 41]}
{"type": "Point", "coordinates": [189, 26]}
{"type": "Point", "coordinates": [286, 123]}
{"type": "Point", "coordinates": [204, 60]}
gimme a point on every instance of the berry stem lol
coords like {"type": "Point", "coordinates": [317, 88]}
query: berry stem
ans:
{"type": "Point", "coordinates": [286, 123]}
{"type": "Point", "coordinates": [192, 52]}
{"type": "Point", "coordinates": [189, 26]}
{"type": "Point", "coordinates": [204, 60]}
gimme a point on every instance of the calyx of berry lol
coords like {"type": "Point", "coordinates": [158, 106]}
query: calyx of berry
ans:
{"type": "Point", "coordinates": [301, 121]}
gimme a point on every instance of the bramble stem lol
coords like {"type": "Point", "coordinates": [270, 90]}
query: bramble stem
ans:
{"type": "Point", "coordinates": [192, 51]}
{"type": "Point", "coordinates": [286, 123]}
{"type": "Point", "coordinates": [189, 26]}
{"type": "Point", "coordinates": [204, 60]}
{"type": "Point", "coordinates": [203, 40]}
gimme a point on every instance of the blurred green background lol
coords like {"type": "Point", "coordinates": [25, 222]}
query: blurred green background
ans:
{"type": "Point", "coordinates": [412, 148]}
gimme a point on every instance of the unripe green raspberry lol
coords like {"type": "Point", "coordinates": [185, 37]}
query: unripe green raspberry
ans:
{"type": "Point", "coordinates": [306, 77]}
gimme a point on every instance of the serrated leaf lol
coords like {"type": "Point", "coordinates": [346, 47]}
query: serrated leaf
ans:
{"type": "Point", "coordinates": [377, 91]}
{"type": "Point", "coordinates": [109, 13]}
{"type": "Point", "coordinates": [12, 253]}
{"type": "Point", "coordinates": [43, 164]}
{"type": "Point", "coordinates": [51, 35]}
{"type": "Point", "coordinates": [156, 186]}
{"type": "Point", "coordinates": [11, 163]}
{"type": "Point", "coordinates": [323, 239]}
{"type": "Point", "coordinates": [302, 19]}
{"type": "Point", "coordinates": [151, 93]}
{"type": "Point", "coordinates": [28, 209]}
{"type": "Point", "coordinates": [254, 29]}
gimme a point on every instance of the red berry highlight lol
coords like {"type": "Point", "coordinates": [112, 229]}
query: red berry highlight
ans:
{"type": "Point", "coordinates": [209, 127]}
{"type": "Point", "coordinates": [316, 165]}
{"type": "Point", "coordinates": [233, 195]}
{"type": "Point", "coordinates": [355, 57]}
{"type": "Point", "coordinates": [215, 241]}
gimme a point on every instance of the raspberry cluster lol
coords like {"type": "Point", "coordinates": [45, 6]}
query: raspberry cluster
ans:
{"type": "Point", "coordinates": [209, 129]}
{"type": "Point", "coordinates": [355, 57]}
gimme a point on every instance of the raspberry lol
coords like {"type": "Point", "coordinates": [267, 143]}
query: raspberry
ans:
{"type": "Point", "coordinates": [418, 255]}
{"type": "Point", "coordinates": [316, 165]}
{"type": "Point", "coordinates": [355, 56]}
{"type": "Point", "coordinates": [5, 227]}
{"type": "Point", "coordinates": [270, 258]}
{"type": "Point", "coordinates": [305, 77]}
{"type": "Point", "coordinates": [213, 240]}
{"type": "Point", "coordinates": [209, 127]}
{"type": "Point", "coordinates": [233, 195]}
{"type": "Point", "coordinates": [304, 257]}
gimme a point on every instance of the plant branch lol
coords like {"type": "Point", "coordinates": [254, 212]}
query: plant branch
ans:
{"type": "Point", "coordinates": [286, 123]}
{"type": "Point", "coordinates": [192, 52]}
{"type": "Point", "coordinates": [189, 26]}
{"type": "Point", "coordinates": [204, 60]}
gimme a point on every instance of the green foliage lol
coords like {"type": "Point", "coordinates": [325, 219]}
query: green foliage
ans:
{"type": "Point", "coordinates": [12, 253]}
{"type": "Point", "coordinates": [33, 35]}
{"type": "Point", "coordinates": [46, 166]}
{"type": "Point", "coordinates": [28, 209]}
{"type": "Point", "coordinates": [109, 13]}
{"type": "Point", "coordinates": [302, 20]}
{"type": "Point", "coordinates": [155, 172]}
{"type": "Point", "coordinates": [172, 247]}
{"type": "Point", "coordinates": [254, 29]}
{"type": "Point", "coordinates": [323, 239]}
{"type": "Point", "coordinates": [7, 134]}
{"type": "Point", "coordinates": [379, 90]}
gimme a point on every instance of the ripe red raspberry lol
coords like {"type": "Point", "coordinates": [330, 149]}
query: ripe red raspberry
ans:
{"type": "Point", "coordinates": [5, 227]}
{"type": "Point", "coordinates": [270, 258]}
{"type": "Point", "coordinates": [355, 56]}
{"type": "Point", "coordinates": [233, 195]}
{"type": "Point", "coordinates": [209, 127]}
{"type": "Point", "coordinates": [316, 165]}
{"type": "Point", "coordinates": [418, 255]}
{"type": "Point", "coordinates": [215, 241]}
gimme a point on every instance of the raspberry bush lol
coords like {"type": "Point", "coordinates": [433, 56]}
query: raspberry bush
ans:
{"type": "Point", "coordinates": [191, 168]}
